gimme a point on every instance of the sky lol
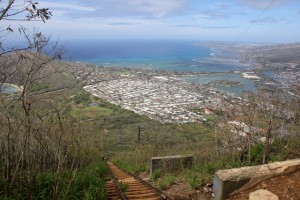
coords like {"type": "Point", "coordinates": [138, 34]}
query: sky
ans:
{"type": "Point", "coordinates": [267, 21]}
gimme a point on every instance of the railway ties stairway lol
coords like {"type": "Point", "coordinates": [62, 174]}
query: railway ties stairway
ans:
{"type": "Point", "coordinates": [111, 189]}
{"type": "Point", "coordinates": [136, 189]}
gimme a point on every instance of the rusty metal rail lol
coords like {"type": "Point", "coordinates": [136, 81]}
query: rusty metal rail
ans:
{"type": "Point", "coordinates": [112, 188]}
{"type": "Point", "coordinates": [124, 185]}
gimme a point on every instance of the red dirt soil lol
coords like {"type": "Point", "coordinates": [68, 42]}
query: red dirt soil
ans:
{"type": "Point", "coordinates": [182, 191]}
{"type": "Point", "coordinates": [286, 187]}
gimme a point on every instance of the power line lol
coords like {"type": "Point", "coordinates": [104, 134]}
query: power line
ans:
{"type": "Point", "coordinates": [251, 24]}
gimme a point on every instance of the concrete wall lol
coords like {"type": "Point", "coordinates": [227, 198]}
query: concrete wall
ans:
{"type": "Point", "coordinates": [230, 181]}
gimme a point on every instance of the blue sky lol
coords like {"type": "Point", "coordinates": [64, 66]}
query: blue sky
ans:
{"type": "Point", "coordinates": [230, 20]}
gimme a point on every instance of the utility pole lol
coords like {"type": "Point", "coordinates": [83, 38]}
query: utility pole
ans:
{"type": "Point", "coordinates": [139, 134]}
{"type": "Point", "coordinates": [102, 146]}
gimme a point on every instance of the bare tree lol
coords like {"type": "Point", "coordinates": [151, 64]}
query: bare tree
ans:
{"type": "Point", "coordinates": [35, 135]}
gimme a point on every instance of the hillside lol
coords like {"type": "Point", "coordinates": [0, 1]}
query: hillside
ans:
{"type": "Point", "coordinates": [98, 128]}
{"type": "Point", "coordinates": [279, 53]}
{"type": "Point", "coordinates": [220, 143]}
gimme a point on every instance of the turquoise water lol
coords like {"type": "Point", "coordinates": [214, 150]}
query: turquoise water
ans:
{"type": "Point", "coordinates": [8, 89]}
{"type": "Point", "coordinates": [247, 85]}
{"type": "Point", "coordinates": [164, 55]}
{"type": "Point", "coordinates": [151, 54]}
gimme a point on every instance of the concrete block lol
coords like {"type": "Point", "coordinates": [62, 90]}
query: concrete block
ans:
{"type": "Point", "coordinates": [169, 163]}
{"type": "Point", "coordinates": [232, 181]}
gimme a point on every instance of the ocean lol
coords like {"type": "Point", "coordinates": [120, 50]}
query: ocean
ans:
{"type": "Point", "coordinates": [169, 55]}
{"type": "Point", "coordinates": [151, 54]}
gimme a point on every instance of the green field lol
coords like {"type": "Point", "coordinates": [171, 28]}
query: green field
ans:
{"type": "Point", "coordinates": [90, 112]}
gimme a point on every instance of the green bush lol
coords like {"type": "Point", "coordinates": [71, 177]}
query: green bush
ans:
{"type": "Point", "coordinates": [211, 167]}
{"type": "Point", "coordinates": [123, 186]}
{"type": "Point", "coordinates": [256, 155]}
{"type": "Point", "coordinates": [134, 167]}
{"type": "Point", "coordinates": [155, 174]}
{"type": "Point", "coordinates": [125, 166]}
{"type": "Point", "coordinates": [196, 181]}
{"type": "Point", "coordinates": [39, 86]}
{"type": "Point", "coordinates": [88, 184]}
{"type": "Point", "coordinates": [44, 185]}
{"type": "Point", "coordinates": [82, 97]}
{"type": "Point", "coordinates": [166, 182]}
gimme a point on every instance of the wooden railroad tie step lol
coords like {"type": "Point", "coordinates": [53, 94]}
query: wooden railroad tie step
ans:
{"type": "Point", "coordinates": [123, 185]}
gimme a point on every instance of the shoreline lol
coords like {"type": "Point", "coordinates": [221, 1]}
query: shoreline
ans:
{"type": "Point", "coordinates": [205, 65]}
{"type": "Point", "coordinates": [214, 62]}
{"type": "Point", "coordinates": [7, 85]}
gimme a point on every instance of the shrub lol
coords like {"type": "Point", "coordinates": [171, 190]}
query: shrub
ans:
{"type": "Point", "coordinates": [256, 154]}
{"type": "Point", "coordinates": [155, 174]}
{"type": "Point", "coordinates": [211, 167]}
{"type": "Point", "coordinates": [166, 182]}
{"type": "Point", "coordinates": [196, 181]}
{"type": "Point", "coordinates": [89, 183]}
{"type": "Point", "coordinates": [122, 186]}
{"type": "Point", "coordinates": [39, 86]}
{"type": "Point", "coordinates": [82, 97]}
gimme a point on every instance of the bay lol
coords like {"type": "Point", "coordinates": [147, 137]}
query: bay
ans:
{"type": "Point", "coordinates": [153, 54]}
{"type": "Point", "coordinates": [245, 84]}
{"type": "Point", "coordinates": [170, 55]}
{"type": "Point", "coordinates": [9, 89]}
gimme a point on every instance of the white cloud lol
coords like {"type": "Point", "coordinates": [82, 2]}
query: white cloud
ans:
{"type": "Point", "coordinates": [66, 6]}
{"type": "Point", "coordinates": [270, 20]}
{"type": "Point", "coordinates": [65, 9]}
{"type": "Point", "coordinates": [260, 4]}
{"type": "Point", "coordinates": [212, 16]}
{"type": "Point", "coordinates": [123, 23]}
{"type": "Point", "coordinates": [157, 8]}
{"type": "Point", "coordinates": [218, 11]}
{"type": "Point", "coordinates": [137, 8]}
{"type": "Point", "coordinates": [219, 27]}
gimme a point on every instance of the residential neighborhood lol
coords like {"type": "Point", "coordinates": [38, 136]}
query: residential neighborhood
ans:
{"type": "Point", "coordinates": [164, 98]}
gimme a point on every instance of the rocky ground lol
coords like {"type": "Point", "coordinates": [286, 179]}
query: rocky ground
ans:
{"type": "Point", "coordinates": [182, 191]}
{"type": "Point", "coordinates": [286, 187]}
